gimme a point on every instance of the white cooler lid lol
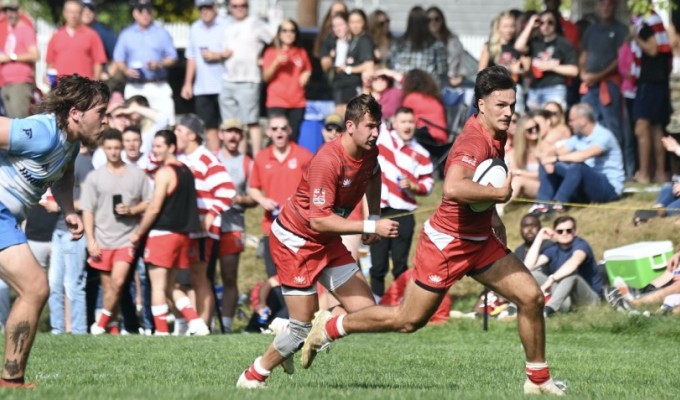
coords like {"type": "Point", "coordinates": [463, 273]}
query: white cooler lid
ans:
{"type": "Point", "coordinates": [638, 250]}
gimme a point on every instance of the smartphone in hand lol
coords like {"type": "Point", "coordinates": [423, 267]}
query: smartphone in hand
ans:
{"type": "Point", "coordinates": [117, 199]}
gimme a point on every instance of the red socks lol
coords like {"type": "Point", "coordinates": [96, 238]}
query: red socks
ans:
{"type": "Point", "coordinates": [334, 328]}
{"type": "Point", "coordinates": [538, 373]}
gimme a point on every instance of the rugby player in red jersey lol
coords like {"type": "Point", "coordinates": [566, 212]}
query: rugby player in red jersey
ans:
{"type": "Point", "coordinates": [457, 241]}
{"type": "Point", "coordinates": [305, 238]}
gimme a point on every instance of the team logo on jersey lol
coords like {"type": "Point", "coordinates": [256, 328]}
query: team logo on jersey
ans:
{"type": "Point", "coordinates": [435, 278]}
{"type": "Point", "coordinates": [28, 132]}
{"type": "Point", "coordinates": [319, 197]}
{"type": "Point", "coordinates": [346, 182]}
{"type": "Point", "coordinates": [472, 160]}
{"type": "Point", "coordinates": [299, 279]}
{"type": "Point", "coordinates": [292, 163]}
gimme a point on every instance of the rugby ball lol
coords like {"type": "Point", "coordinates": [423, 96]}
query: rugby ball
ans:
{"type": "Point", "coordinates": [489, 172]}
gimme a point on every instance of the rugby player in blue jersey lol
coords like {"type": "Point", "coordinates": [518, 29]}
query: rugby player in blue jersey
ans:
{"type": "Point", "coordinates": [36, 153]}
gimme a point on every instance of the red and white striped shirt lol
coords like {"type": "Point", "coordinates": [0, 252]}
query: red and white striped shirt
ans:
{"type": "Point", "coordinates": [403, 160]}
{"type": "Point", "coordinates": [214, 188]}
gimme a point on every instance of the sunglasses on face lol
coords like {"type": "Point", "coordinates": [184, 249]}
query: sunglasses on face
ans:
{"type": "Point", "coordinates": [548, 22]}
{"type": "Point", "coordinates": [434, 19]}
{"type": "Point", "coordinates": [384, 22]}
{"type": "Point", "coordinates": [333, 128]}
{"type": "Point", "coordinates": [238, 5]}
{"type": "Point", "coordinates": [568, 231]}
{"type": "Point", "coordinates": [533, 129]}
{"type": "Point", "coordinates": [7, 9]}
{"type": "Point", "coordinates": [279, 128]}
{"type": "Point", "coordinates": [288, 31]}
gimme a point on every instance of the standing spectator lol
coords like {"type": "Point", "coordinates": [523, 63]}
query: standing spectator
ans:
{"type": "Point", "coordinates": [567, 269]}
{"type": "Point", "coordinates": [418, 48]}
{"type": "Point", "coordinates": [553, 60]}
{"type": "Point", "coordinates": [240, 95]}
{"type": "Point", "coordinates": [171, 216]}
{"type": "Point", "coordinates": [569, 29]}
{"type": "Point", "coordinates": [67, 265]}
{"type": "Point", "coordinates": [651, 107]}
{"type": "Point", "coordinates": [406, 173]}
{"type": "Point", "coordinates": [586, 168]}
{"type": "Point", "coordinates": [276, 172]}
{"type": "Point", "coordinates": [454, 48]}
{"type": "Point", "coordinates": [325, 29]}
{"type": "Point", "coordinates": [75, 48]}
{"type": "Point", "coordinates": [286, 70]}
{"type": "Point", "coordinates": [144, 52]}
{"type": "Point", "coordinates": [137, 111]}
{"type": "Point", "coordinates": [239, 167]}
{"type": "Point", "coordinates": [113, 199]}
{"type": "Point", "coordinates": [214, 193]}
{"type": "Point", "coordinates": [421, 94]}
{"type": "Point", "coordinates": [110, 73]}
{"type": "Point", "coordinates": [204, 70]}
{"type": "Point", "coordinates": [598, 63]}
{"type": "Point", "coordinates": [332, 128]}
{"type": "Point", "coordinates": [347, 56]}
{"type": "Point", "coordinates": [379, 29]}
{"type": "Point", "coordinates": [17, 62]}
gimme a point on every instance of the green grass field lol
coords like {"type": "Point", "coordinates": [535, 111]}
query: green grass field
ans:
{"type": "Point", "coordinates": [601, 354]}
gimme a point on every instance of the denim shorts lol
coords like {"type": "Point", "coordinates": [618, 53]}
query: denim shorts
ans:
{"type": "Point", "coordinates": [10, 231]}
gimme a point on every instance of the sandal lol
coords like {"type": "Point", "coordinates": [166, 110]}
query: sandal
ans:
{"type": "Point", "coordinates": [642, 216]}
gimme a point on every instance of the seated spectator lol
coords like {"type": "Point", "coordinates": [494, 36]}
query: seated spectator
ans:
{"type": "Point", "coordinates": [587, 168]}
{"type": "Point", "coordinates": [667, 203]}
{"type": "Point", "coordinates": [267, 302]}
{"type": "Point", "coordinates": [558, 130]}
{"type": "Point", "coordinates": [389, 96]}
{"type": "Point", "coordinates": [566, 270]}
{"type": "Point", "coordinates": [421, 94]}
{"type": "Point", "coordinates": [528, 229]}
{"type": "Point", "coordinates": [332, 128]}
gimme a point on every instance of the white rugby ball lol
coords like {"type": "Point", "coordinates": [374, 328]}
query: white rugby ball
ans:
{"type": "Point", "coordinates": [489, 172]}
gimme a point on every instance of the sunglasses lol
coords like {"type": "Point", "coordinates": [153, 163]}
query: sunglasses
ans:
{"type": "Point", "coordinates": [238, 5]}
{"type": "Point", "coordinates": [384, 22]}
{"type": "Point", "coordinates": [278, 128]}
{"type": "Point", "coordinates": [434, 19]}
{"type": "Point", "coordinates": [568, 231]}
{"type": "Point", "coordinates": [548, 22]}
{"type": "Point", "coordinates": [533, 129]}
{"type": "Point", "coordinates": [288, 31]}
{"type": "Point", "coordinates": [6, 9]}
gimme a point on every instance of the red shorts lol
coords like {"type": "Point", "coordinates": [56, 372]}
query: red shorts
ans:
{"type": "Point", "coordinates": [200, 249]}
{"type": "Point", "coordinates": [299, 262]}
{"type": "Point", "coordinates": [169, 251]}
{"type": "Point", "coordinates": [441, 259]}
{"type": "Point", "coordinates": [231, 243]}
{"type": "Point", "coordinates": [111, 256]}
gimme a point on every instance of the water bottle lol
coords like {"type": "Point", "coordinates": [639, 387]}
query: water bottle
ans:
{"type": "Point", "coordinates": [263, 317]}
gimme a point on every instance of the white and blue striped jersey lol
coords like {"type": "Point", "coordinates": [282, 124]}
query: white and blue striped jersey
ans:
{"type": "Point", "coordinates": [37, 156]}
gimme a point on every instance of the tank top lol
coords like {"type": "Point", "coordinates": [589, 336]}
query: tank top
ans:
{"type": "Point", "coordinates": [180, 210]}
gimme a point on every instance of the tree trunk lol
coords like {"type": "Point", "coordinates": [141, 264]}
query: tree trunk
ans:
{"type": "Point", "coordinates": [307, 13]}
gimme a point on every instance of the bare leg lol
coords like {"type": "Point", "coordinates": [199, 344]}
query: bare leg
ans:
{"type": "Point", "coordinates": [512, 280]}
{"type": "Point", "coordinates": [204, 296]}
{"type": "Point", "coordinates": [642, 131]}
{"type": "Point", "coordinates": [158, 276]}
{"type": "Point", "coordinates": [659, 154]}
{"type": "Point", "coordinates": [212, 141]}
{"type": "Point", "coordinates": [24, 275]}
{"type": "Point", "coordinates": [256, 142]}
{"type": "Point", "coordinates": [656, 297]}
{"type": "Point", "coordinates": [229, 270]}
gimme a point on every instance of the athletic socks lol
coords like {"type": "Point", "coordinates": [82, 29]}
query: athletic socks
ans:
{"type": "Point", "coordinates": [104, 318]}
{"type": "Point", "coordinates": [160, 317]}
{"type": "Point", "coordinates": [538, 373]}
{"type": "Point", "coordinates": [334, 328]}
{"type": "Point", "coordinates": [14, 380]}
{"type": "Point", "coordinates": [226, 324]}
{"type": "Point", "coordinates": [256, 372]}
{"type": "Point", "coordinates": [188, 311]}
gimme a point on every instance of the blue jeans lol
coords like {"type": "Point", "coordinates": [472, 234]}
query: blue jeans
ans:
{"type": "Point", "coordinates": [574, 182]}
{"type": "Point", "coordinates": [668, 199]}
{"type": "Point", "coordinates": [612, 117]}
{"type": "Point", "coordinates": [5, 303]}
{"type": "Point", "coordinates": [539, 96]}
{"type": "Point", "coordinates": [67, 277]}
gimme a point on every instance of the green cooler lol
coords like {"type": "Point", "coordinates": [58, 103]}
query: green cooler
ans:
{"type": "Point", "coordinates": [638, 263]}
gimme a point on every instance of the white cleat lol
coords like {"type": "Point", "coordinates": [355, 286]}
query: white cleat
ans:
{"type": "Point", "coordinates": [97, 330]}
{"type": "Point", "coordinates": [317, 340]}
{"type": "Point", "coordinates": [245, 383]}
{"type": "Point", "coordinates": [551, 387]}
{"type": "Point", "coordinates": [198, 328]}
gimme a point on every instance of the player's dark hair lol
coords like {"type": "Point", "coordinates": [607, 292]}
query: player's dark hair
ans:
{"type": "Point", "coordinates": [403, 110]}
{"type": "Point", "coordinates": [491, 79]}
{"type": "Point", "coordinates": [111, 134]}
{"type": "Point", "coordinates": [533, 217]}
{"type": "Point", "coordinates": [563, 219]}
{"type": "Point", "coordinates": [168, 136]}
{"type": "Point", "coordinates": [137, 99]}
{"type": "Point", "coordinates": [362, 105]}
{"type": "Point", "coordinates": [73, 91]}
{"type": "Point", "coordinates": [133, 128]}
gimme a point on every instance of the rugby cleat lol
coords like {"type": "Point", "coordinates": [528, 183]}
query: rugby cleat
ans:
{"type": "Point", "coordinates": [245, 383]}
{"type": "Point", "coordinates": [317, 340]}
{"type": "Point", "coordinates": [551, 387]}
{"type": "Point", "coordinates": [198, 328]}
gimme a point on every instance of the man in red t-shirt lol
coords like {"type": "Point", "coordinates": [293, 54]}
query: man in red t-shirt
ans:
{"type": "Point", "coordinates": [305, 241]}
{"type": "Point", "coordinates": [457, 241]}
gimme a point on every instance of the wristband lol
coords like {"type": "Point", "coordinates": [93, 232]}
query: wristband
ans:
{"type": "Point", "coordinates": [369, 226]}
{"type": "Point", "coordinates": [552, 278]}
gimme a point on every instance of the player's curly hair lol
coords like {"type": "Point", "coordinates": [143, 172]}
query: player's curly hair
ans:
{"type": "Point", "coordinates": [362, 105]}
{"type": "Point", "coordinates": [73, 91]}
{"type": "Point", "coordinates": [491, 79]}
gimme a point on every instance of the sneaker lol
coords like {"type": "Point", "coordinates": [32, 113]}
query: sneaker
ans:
{"type": "Point", "coordinates": [13, 385]}
{"type": "Point", "coordinates": [317, 340]}
{"type": "Point", "coordinates": [180, 327]}
{"type": "Point", "coordinates": [558, 208]}
{"type": "Point", "coordinates": [245, 383]}
{"type": "Point", "coordinates": [97, 330]}
{"type": "Point", "coordinates": [622, 286]}
{"type": "Point", "coordinates": [288, 365]}
{"type": "Point", "coordinates": [161, 333]}
{"type": "Point", "coordinates": [616, 300]}
{"type": "Point", "coordinates": [539, 209]}
{"type": "Point", "coordinates": [555, 388]}
{"type": "Point", "coordinates": [198, 328]}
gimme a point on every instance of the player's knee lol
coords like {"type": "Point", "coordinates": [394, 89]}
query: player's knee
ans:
{"type": "Point", "coordinates": [412, 323]}
{"type": "Point", "coordinates": [291, 340]}
{"type": "Point", "coordinates": [532, 300]}
{"type": "Point", "coordinates": [37, 290]}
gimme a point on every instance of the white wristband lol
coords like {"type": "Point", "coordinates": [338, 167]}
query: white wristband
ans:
{"type": "Point", "coordinates": [369, 226]}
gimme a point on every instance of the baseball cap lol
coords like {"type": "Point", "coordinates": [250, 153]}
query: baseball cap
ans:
{"type": "Point", "coordinates": [204, 3]}
{"type": "Point", "coordinates": [89, 4]}
{"type": "Point", "coordinates": [194, 123]}
{"type": "Point", "coordinates": [230, 124]}
{"type": "Point", "coordinates": [10, 3]}
{"type": "Point", "coordinates": [334, 121]}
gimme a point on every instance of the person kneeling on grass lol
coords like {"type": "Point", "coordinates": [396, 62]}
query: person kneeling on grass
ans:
{"type": "Point", "coordinates": [456, 242]}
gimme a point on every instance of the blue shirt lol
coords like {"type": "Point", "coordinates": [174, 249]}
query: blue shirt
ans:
{"type": "Point", "coordinates": [588, 268]}
{"type": "Point", "coordinates": [610, 162]}
{"type": "Point", "coordinates": [107, 36]}
{"type": "Point", "coordinates": [141, 46]}
{"type": "Point", "coordinates": [208, 78]}
{"type": "Point", "coordinates": [37, 156]}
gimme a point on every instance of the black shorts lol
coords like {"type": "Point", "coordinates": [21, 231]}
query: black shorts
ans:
{"type": "Point", "coordinates": [653, 103]}
{"type": "Point", "coordinates": [208, 109]}
{"type": "Point", "coordinates": [343, 94]}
